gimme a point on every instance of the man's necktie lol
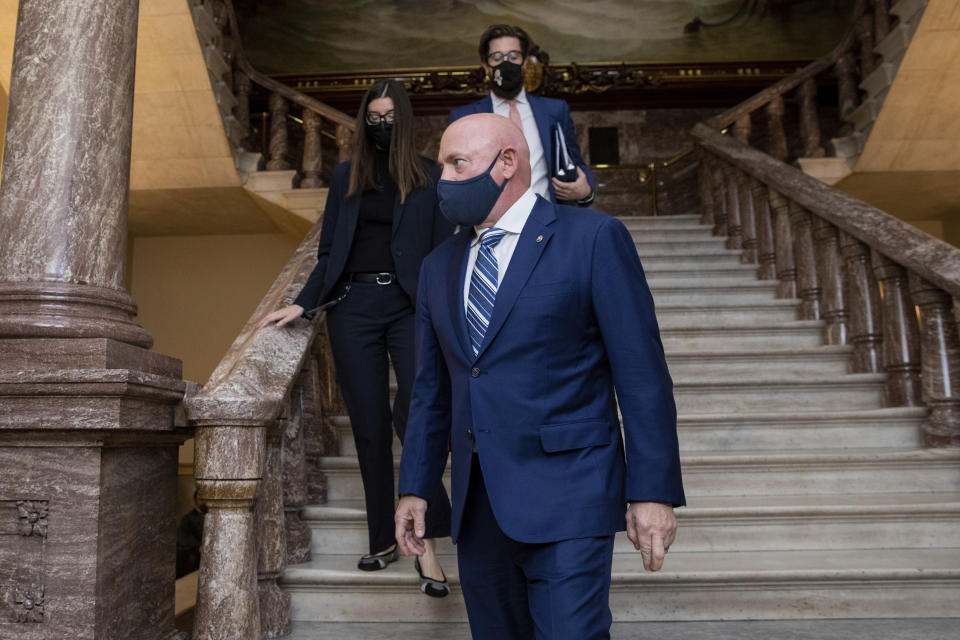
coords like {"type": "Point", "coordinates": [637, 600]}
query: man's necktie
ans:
{"type": "Point", "coordinates": [483, 287]}
{"type": "Point", "coordinates": [515, 114]}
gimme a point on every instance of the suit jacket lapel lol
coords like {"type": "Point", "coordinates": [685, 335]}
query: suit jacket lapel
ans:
{"type": "Point", "coordinates": [485, 105]}
{"type": "Point", "coordinates": [533, 240]}
{"type": "Point", "coordinates": [458, 265]}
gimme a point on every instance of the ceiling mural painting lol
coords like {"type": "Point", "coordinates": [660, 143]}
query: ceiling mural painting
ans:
{"type": "Point", "coordinates": [320, 36]}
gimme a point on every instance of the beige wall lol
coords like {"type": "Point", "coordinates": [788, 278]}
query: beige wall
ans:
{"type": "Point", "coordinates": [195, 293]}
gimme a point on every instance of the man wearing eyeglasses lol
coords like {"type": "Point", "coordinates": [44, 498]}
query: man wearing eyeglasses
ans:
{"type": "Point", "coordinates": [503, 53]}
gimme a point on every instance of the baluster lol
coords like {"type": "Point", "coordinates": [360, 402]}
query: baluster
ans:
{"type": "Point", "coordinates": [741, 129]}
{"type": "Point", "coordinates": [847, 85]}
{"type": "Point", "coordinates": [830, 275]}
{"type": "Point", "coordinates": [778, 139]}
{"type": "Point", "coordinates": [734, 225]}
{"type": "Point", "coordinates": [311, 150]}
{"type": "Point", "coordinates": [901, 350]}
{"type": "Point", "coordinates": [241, 88]}
{"type": "Point", "coordinates": [867, 43]}
{"type": "Point", "coordinates": [767, 253]}
{"type": "Point", "coordinates": [881, 20]}
{"type": "Point", "coordinates": [294, 476]}
{"type": "Point", "coordinates": [783, 244]}
{"type": "Point", "coordinates": [706, 191]}
{"type": "Point", "coordinates": [229, 461]}
{"type": "Point", "coordinates": [748, 218]}
{"type": "Point", "coordinates": [861, 293]}
{"type": "Point", "coordinates": [278, 134]}
{"type": "Point", "coordinates": [272, 539]}
{"type": "Point", "coordinates": [344, 139]}
{"type": "Point", "coordinates": [808, 285]}
{"type": "Point", "coordinates": [314, 445]}
{"type": "Point", "coordinates": [940, 360]}
{"type": "Point", "coordinates": [810, 120]}
{"type": "Point", "coordinates": [720, 200]}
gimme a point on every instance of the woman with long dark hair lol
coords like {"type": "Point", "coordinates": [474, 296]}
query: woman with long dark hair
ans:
{"type": "Point", "coordinates": [380, 220]}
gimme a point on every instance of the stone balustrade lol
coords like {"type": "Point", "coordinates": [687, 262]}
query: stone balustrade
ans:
{"type": "Point", "coordinates": [879, 284]}
{"type": "Point", "coordinates": [291, 132]}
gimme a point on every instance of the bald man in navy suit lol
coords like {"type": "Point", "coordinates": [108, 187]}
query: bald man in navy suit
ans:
{"type": "Point", "coordinates": [533, 322]}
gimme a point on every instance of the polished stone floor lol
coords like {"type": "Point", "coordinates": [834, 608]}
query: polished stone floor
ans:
{"type": "Point", "coordinates": [913, 629]}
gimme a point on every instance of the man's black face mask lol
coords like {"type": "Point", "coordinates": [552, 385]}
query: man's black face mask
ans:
{"type": "Point", "coordinates": [506, 79]}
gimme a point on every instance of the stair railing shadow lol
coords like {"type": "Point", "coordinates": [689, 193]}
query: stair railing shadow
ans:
{"type": "Point", "coordinates": [878, 283]}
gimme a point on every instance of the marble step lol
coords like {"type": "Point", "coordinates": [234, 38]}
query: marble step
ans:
{"type": "Point", "coordinates": [781, 472]}
{"type": "Point", "coordinates": [896, 43]}
{"type": "Point", "coordinates": [897, 427]}
{"type": "Point", "coordinates": [704, 258]}
{"type": "Point", "coordinates": [679, 247]}
{"type": "Point", "coordinates": [684, 222]}
{"type": "Point", "coordinates": [767, 312]}
{"type": "Point", "coordinates": [709, 279]}
{"type": "Point", "coordinates": [669, 234]}
{"type": "Point", "coordinates": [908, 10]}
{"type": "Point", "coordinates": [881, 78]}
{"type": "Point", "coordinates": [697, 291]}
{"type": "Point", "coordinates": [709, 585]}
{"type": "Point", "coordinates": [721, 394]}
{"type": "Point", "coordinates": [740, 523]}
{"type": "Point", "coordinates": [691, 269]}
{"type": "Point", "coordinates": [799, 334]}
{"type": "Point", "coordinates": [261, 181]}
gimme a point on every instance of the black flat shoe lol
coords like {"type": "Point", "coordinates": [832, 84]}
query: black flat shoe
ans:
{"type": "Point", "coordinates": [431, 587]}
{"type": "Point", "coordinates": [378, 561]}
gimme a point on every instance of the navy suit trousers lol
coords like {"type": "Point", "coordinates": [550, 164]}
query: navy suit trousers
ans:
{"type": "Point", "coordinates": [521, 591]}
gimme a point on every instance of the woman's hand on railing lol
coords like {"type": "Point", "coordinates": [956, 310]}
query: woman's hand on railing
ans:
{"type": "Point", "coordinates": [282, 316]}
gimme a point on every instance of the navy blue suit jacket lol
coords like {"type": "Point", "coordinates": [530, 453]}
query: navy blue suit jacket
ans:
{"type": "Point", "coordinates": [547, 112]}
{"type": "Point", "coordinates": [573, 321]}
{"type": "Point", "coordinates": [418, 226]}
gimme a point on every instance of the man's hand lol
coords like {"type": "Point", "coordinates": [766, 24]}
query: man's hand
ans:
{"type": "Point", "coordinates": [651, 527]}
{"type": "Point", "coordinates": [282, 316]}
{"type": "Point", "coordinates": [576, 190]}
{"type": "Point", "coordinates": [410, 520]}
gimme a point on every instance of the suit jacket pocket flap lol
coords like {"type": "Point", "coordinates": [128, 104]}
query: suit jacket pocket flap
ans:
{"type": "Point", "coordinates": [574, 435]}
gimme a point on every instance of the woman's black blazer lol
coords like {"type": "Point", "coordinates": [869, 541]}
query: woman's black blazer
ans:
{"type": "Point", "coordinates": [418, 226]}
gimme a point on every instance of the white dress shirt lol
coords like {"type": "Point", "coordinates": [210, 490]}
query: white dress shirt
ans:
{"type": "Point", "coordinates": [539, 178]}
{"type": "Point", "coordinates": [512, 222]}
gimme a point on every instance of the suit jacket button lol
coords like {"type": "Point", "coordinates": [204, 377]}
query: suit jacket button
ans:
{"type": "Point", "coordinates": [470, 433]}
{"type": "Point", "coordinates": [475, 372]}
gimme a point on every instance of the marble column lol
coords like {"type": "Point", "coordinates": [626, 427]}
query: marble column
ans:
{"type": "Point", "coordinates": [88, 445]}
{"type": "Point", "coordinates": [67, 171]}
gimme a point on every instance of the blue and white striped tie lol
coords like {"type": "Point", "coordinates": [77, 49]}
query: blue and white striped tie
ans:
{"type": "Point", "coordinates": [483, 287]}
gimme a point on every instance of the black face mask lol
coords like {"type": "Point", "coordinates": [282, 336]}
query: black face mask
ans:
{"type": "Point", "coordinates": [506, 79]}
{"type": "Point", "coordinates": [380, 133]}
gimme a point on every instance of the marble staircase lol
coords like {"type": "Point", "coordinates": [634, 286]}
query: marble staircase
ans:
{"type": "Point", "coordinates": [807, 497]}
{"type": "Point", "coordinates": [844, 151]}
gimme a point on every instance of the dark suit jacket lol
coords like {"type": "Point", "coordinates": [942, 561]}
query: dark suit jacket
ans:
{"type": "Point", "coordinates": [418, 226]}
{"type": "Point", "coordinates": [573, 320]}
{"type": "Point", "coordinates": [547, 112]}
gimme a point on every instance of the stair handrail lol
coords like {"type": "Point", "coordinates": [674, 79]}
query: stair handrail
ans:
{"type": "Point", "coordinates": [878, 284]}
{"type": "Point", "coordinates": [791, 82]}
{"type": "Point", "coordinates": [265, 81]}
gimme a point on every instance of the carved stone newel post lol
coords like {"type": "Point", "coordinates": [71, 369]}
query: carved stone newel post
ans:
{"type": "Point", "coordinates": [88, 448]}
{"type": "Point", "coordinates": [940, 351]}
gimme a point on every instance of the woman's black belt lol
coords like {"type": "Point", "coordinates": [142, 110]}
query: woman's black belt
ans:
{"type": "Point", "coordinates": [382, 278]}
